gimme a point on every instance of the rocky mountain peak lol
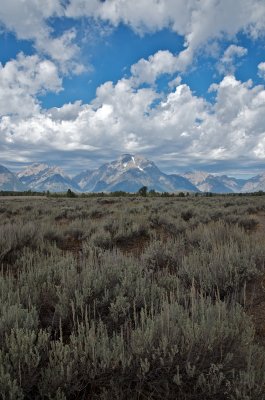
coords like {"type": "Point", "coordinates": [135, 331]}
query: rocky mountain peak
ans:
{"type": "Point", "coordinates": [33, 169]}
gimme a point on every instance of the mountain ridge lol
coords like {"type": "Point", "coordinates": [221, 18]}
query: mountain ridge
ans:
{"type": "Point", "coordinates": [42, 177]}
{"type": "Point", "coordinates": [9, 181]}
{"type": "Point", "coordinates": [127, 173]}
{"type": "Point", "coordinates": [207, 182]}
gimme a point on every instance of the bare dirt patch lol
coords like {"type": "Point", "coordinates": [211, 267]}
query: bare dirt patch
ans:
{"type": "Point", "coordinates": [135, 245]}
{"type": "Point", "coordinates": [255, 307]}
{"type": "Point", "coordinates": [260, 218]}
{"type": "Point", "coordinates": [255, 292]}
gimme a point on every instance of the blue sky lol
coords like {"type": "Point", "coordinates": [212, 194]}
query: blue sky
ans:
{"type": "Point", "coordinates": [181, 83]}
{"type": "Point", "coordinates": [109, 58]}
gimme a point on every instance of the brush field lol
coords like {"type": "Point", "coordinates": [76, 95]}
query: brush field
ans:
{"type": "Point", "coordinates": [138, 298]}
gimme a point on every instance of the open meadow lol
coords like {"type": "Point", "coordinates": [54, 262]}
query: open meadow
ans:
{"type": "Point", "coordinates": [132, 298]}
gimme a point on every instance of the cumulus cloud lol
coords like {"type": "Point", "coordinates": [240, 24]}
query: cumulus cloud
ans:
{"type": "Point", "coordinates": [67, 112]}
{"type": "Point", "coordinates": [27, 18]}
{"type": "Point", "coordinates": [63, 50]}
{"type": "Point", "coordinates": [235, 128]}
{"type": "Point", "coordinates": [197, 21]}
{"type": "Point", "coordinates": [175, 82]}
{"type": "Point", "coordinates": [261, 70]}
{"type": "Point", "coordinates": [24, 78]}
{"type": "Point", "coordinates": [29, 21]}
{"type": "Point", "coordinates": [122, 117]}
{"type": "Point", "coordinates": [108, 122]}
{"type": "Point", "coordinates": [233, 51]}
{"type": "Point", "coordinates": [228, 63]}
{"type": "Point", "coordinates": [147, 71]}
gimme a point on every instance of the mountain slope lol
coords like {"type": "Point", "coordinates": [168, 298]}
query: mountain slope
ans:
{"type": "Point", "coordinates": [129, 173]}
{"type": "Point", "coordinates": [41, 177]}
{"type": "Point", "coordinates": [206, 182]}
{"type": "Point", "coordinates": [9, 181]}
{"type": "Point", "coordinates": [255, 184]}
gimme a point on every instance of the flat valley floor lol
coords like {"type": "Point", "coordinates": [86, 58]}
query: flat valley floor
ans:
{"type": "Point", "coordinates": [132, 298]}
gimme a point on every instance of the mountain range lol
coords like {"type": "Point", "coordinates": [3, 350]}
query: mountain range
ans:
{"type": "Point", "coordinates": [41, 177]}
{"type": "Point", "coordinates": [128, 173]}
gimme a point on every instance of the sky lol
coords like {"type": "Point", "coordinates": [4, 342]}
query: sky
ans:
{"type": "Point", "coordinates": [179, 82]}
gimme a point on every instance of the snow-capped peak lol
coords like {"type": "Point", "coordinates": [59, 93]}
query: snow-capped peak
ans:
{"type": "Point", "coordinates": [128, 162]}
{"type": "Point", "coordinates": [129, 173]}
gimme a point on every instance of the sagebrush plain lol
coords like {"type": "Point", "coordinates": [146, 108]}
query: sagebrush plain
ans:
{"type": "Point", "coordinates": [132, 298]}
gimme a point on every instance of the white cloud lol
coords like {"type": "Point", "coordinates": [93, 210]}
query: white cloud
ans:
{"type": "Point", "coordinates": [175, 82]}
{"type": "Point", "coordinates": [67, 112]}
{"type": "Point", "coordinates": [22, 79]}
{"type": "Point", "coordinates": [235, 128]}
{"type": "Point", "coordinates": [62, 50]}
{"type": "Point", "coordinates": [124, 118]}
{"type": "Point", "coordinates": [27, 18]}
{"type": "Point", "coordinates": [261, 70]}
{"type": "Point", "coordinates": [233, 51]}
{"type": "Point", "coordinates": [109, 122]}
{"type": "Point", "coordinates": [29, 21]}
{"type": "Point", "coordinates": [198, 21]}
{"type": "Point", "coordinates": [227, 64]}
{"type": "Point", "coordinates": [162, 62]}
